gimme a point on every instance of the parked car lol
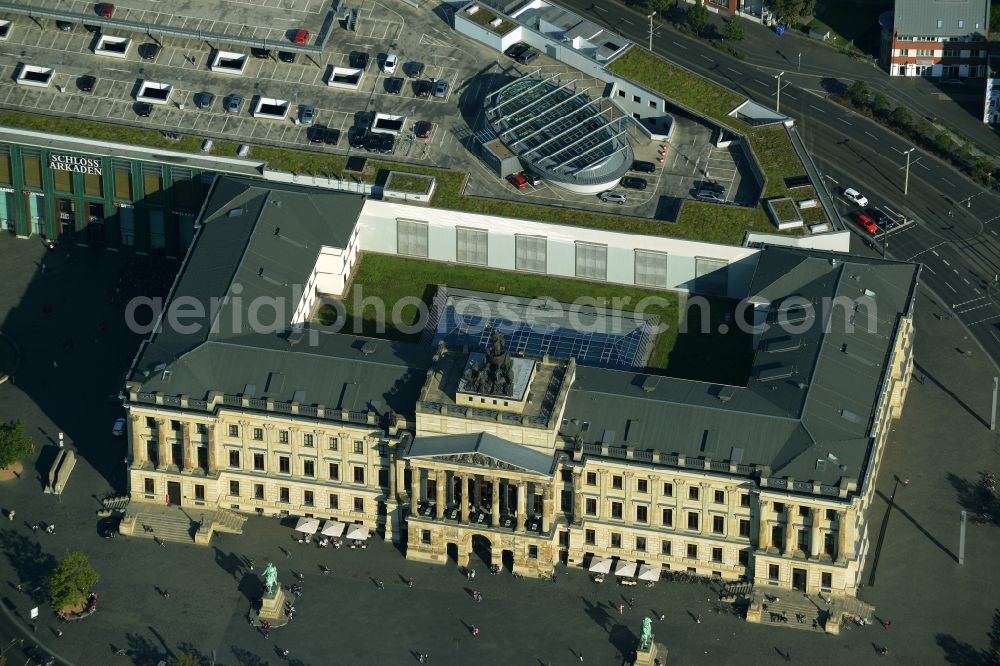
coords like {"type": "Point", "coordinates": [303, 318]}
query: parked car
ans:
{"type": "Point", "coordinates": [118, 429]}
{"type": "Point", "coordinates": [423, 129]}
{"type": "Point", "coordinates": [149, 51]}
{"type": "Point", "coordinates": [390, 63]}
{"type": "Point", "coordinates": [307, 114]}
{"type": "Point", "coordinates": [359, 59]}
{"type": "Point", "coordinates": [634, 183]}
{"type": "Point", "coordinates": [204, 100]}
{"type": "Point", "coordinates": [855, 197]}
{"type": "Point", "coordinates": [287, 57]}
{"type": "Point", "coordinates": [86, 83]}
{"type": "Point", "coordinates": [518, 181]}
{"type": "Point", "coordinates": [516, 50]}
{"type": "Point", "coordinates": [234, 103]}
{"type": "Point", "coordinates": [415, 70]}
{"type": "Point", "coordinates": [613, 197]}
{"type": "Point", "coordinates": [65, 26]}
{"type": "Point", "coordinates": [261, 54]}
{"type": "Point", "coordinates": [331, 136]}
{"type": "Point", "coordinates": [533, 178]}
{"type": "Point", "coordinates": [300, 37]}
{"type": "Point", "coordinates": [643, 166]}
{"type": "Point", "coordinates": [38, 656]}
{"type": "Point", "coordinates": [105, 9]}
{"type": "Point", "coordinates": [527, 56]}
{"type": "Point", "coordinates": [357, 137]}
{"type": "Point", "coordinates": [143, 109]}
{"type": "Point", "coordinates": [422, 88]}
{"type": "Point", "coordinates": [710, 194]}
{"type": "Point", "coordinates": [315, 133]}
{"type": "Point", "coordinates": [866, 223]}
{"type": "Point", "coordinates": [394, 85]}
{"type": "Point", "coordinates": [440, 88]}
{"type": "Point", "coordinates": [386, 143]}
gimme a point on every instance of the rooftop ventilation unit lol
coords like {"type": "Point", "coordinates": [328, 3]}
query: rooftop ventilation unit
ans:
{"type": "Point", "coordinates": [234, 212]}
{"type": "Point", "coordinates": [726, 393]}
{"type": "Point", "coordinates": [775, 373]}
{"type": "Point", "coordinates": [650, 383]}
{"type": "Point", "coordinates": [368, 348]}
{"type": "Point", "coordinates": [850, 416]}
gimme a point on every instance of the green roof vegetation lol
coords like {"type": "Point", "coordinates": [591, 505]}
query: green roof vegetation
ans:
{"type": "Point", "coordinates": [770, 144]}
{"type": "Point", "coordinates": [709, 357]}
{"type": "Point", "coordinates": [785, 209]}
{"type": "Point", "coordinates": [485, 16]}
{"type": "Point", "coordinates": [407, 182]}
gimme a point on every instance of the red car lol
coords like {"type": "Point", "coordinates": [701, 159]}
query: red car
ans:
{"type": "Point", "coordinates": [518, 180]}
{"type": "Point", "coordinates": [866, 223]}
{"type": "Point", "coordinates": [105, 9]}
{"type": "Point", "coordinates": [423, 129]}
{"type": "Point", "coordinates": [300, 37]}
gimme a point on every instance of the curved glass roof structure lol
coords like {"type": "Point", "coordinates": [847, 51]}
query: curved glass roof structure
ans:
{"type": "Point", "coordinates": [565, 135]}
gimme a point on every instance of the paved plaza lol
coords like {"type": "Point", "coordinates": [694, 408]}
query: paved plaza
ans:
{"type": "Point", "coordinates": [74, 350]}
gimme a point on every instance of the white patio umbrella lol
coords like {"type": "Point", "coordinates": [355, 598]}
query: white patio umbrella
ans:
{"type": "Point", "coordinates": [649, 573]}
{"type": "Point", "coordinates": [625, 569]}
{"type": "Point", "coordinates": [307, 525]}
{"type": "Point", "coordinates": [600, 565]}
{"type": "Point", "coordinates": [332, 528]}
{"type": "Point", "coordinates": [357, 532]}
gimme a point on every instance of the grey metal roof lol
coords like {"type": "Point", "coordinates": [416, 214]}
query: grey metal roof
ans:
{"type": "Point", "coordinates": [920, 17]}
{"type": "Point", "coordinates": [486, 444]}
{"type": "Point", "coordinates": [813, 391]}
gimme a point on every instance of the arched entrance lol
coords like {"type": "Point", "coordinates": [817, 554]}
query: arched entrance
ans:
{"type": "Point", "coordinates": [482, 548]}
{"type": "Point", "coordinates": [453, 553]}
{"type": "Point", "coordinates": [508, 560]}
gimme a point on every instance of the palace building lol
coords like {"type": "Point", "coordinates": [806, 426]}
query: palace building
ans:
{"type": "Point", "coordinates": [531, 445]}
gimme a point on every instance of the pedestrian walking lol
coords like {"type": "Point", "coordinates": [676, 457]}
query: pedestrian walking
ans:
{"type": "Point", "coordinates": [20, 587]}
{"type": "Point", "coordinates": [697, 619]}
{"type": "Point", "coordinates": [621, 609]}
{"type": "Point", "coordinates": [284, 653]}
{"type": "Point", "coordinates": [58, 633]}
{"type": "Point", "coordinates": [580, 655]}
{"type": "Point", "coordinates": [906, 482]}
{"type": "Point", "coordinates": [420, 658]}
{"type": "Point", "coordinates": [631, 602]}
{"type": "Point", "coordinates": [887, 624]}
{"type": "Point", "coordinates": [34, 527]}
{"type": "Point", "coordinates": [250, 562]}
{"type": "Point", "coordinates": [662, 616]}
{"type": "Point", "coordinates": [426, 658]}
{"type": "Point", "coordinates": [166, 594]}
{"type": "Point", "coordinates": [10, 515]}
{"type": "Point", "coordinates": [51, 529]}
{"type": "Point", "coordinates": [475, 630]}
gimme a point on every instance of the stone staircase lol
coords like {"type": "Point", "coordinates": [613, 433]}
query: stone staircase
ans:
{"type": "Point", "coordinates": [799, 610]}
{"type": "Point", "coordinates": [224, 520]}
{"type": "Point", "coordinates": [166, 525]}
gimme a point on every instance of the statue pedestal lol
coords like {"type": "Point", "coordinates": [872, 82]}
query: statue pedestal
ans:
{"type": "Point", "coordinates": [273, 605]}
{"type": "Point", "coordinates": [649, 657]}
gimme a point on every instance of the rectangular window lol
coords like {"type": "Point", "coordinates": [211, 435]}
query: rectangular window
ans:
{"type": "Point", "coordinates": [334, 501]}
{"type": "Point", "coordinates": [641, 514]}
{"type": "Point", "coordinates": [123, 179]}
{"type": "Point", "coordinates": [718, 525]}
{"type": "Point", "coordinates": [283, 437]}
{"type": "Point", "coordinates": [719, 497]}
{"type": "Point", "coordinates": [693, 492]}
{"type": "Point", "coordinates": [826, 579]}
{"type": "Point", "coordinates": [334, 472]}
{"type": "Point", "coordinates": [284, 495]}
{"type": "Point", "coordinates": [411, 238]}
{"type": "Point", "coordinates": [621, 93]}
{"type": "Point", "coordinates": [152, 183]}
{"type": "Point", "coordinates": [149, 485]}
{"type": "Point", "coordinates": [234, 488]}
{"type": "Point", "coordinates": [199, 492]}
{"type": "Point", "coordinates": [692, 551]}
{"type": "Point", "coordinates": [185, 189]}
{"type": "Point", "coordinates": [668, 490]}
{"type": "Point", "coordinates": [234, 458]}
{"type": "Point", "coordinates": [31, 163]}
{"type": "Point", "coordinates": [530, 253]}
{"type": "Point", "coordinates": [359, 504]}
{"type": "Point", "coordinates": [666, 548]}
{"type": "Point", "coordinates": [717, 555]}
{"type": "Point", "coordinates": [616, 540]}
{"type": "Point", "coordinates": [258, 434]}
{"type": "Point", "coordinates": [745, 500]}
{"type": "Point", "coordinates": [668, 518]}
{"type": "Point", "coordinates": [258, 491]}
{"type": "Point", "coordinates": [284, 465]}
{"type": "Point", "coordinates": [333, 444]}
{"type": "Point", "coordinates": [831, 514]}
{"type": "Point", "coordinates": [773, 572]}
{"type": "Point", "coordinates": [175, 425]}
{"type": "Point", "coordinates": [258, 462]}
{"type": "Point", "coordinates": [591, 478]}
{"type": "Point", "coordinates": [359, 475]}
{"type": "Point", "coordinates": [642, 485]}
{"type": "Point", "coordinates": [804, 511]}
{"type": "Point", "coordinates": [471, 246]}
{"type": "Point", "coordinates": [589, 536]}
{"type": "Point", "coordinates": [234, 431]}
{"type": "Point", "coordinates": [590, 506]}
{"type": "Point", "coordinates": [651, 268]}
{"type": "Point", "coordinates": [63, 180]}
{"type": "Point", "coordinates": [309, 468]}
{"type": "Point", "coordinates": [711, 276]}
{"type": "Point", "coordinates": [616, 510]}
{"type": "Point", "coordinates": [359, 446]}
{"type": "Point", "coordinates": [779, 507]}
{"type": "Point", "coordinates": [940, 23]}
{"type": "Point", "coordinates": [693, 519]}
{"type": "Point", "coordinates": [744, 527]}
{"type": "Point", "coordinates": [616, 482]}
{"type": "Point", "coordinates": [592, 261]}
{"type": "Point", "coordinates": [532, 552]}
{"type": "Point", "coordinates": [636, 99]}
{"type": "Point", "coordinates": [308, 498]}
{"type": "Point", "coordinates": [640, 544]}
{"type": "Point", "coordinates": [652, 103]}
{"type": "Point", "coordinates": [93, 185]}
{"type": "Point", "coordinates": [425, 536]}
{"type": "Point", "coordinates": [6, 177]}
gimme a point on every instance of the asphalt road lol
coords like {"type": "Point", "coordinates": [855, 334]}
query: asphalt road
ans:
{"type": "Point", "coordinates": [954, 232]}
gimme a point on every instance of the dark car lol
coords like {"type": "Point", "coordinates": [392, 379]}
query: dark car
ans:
{"type": "Point", "coordinates": [149, 51]}
{"type": "Point", "coordinates": [423, 129]}
{"type": "Point", "coordinates": [286, 56]}
{"type": "Point", "coordinates": [65, 26]}
{"type": "Point", "coordinates": [357, 137]}
{"type": "Point", "coordinates": [414, 70]}
{"type": "Point", "coordinates": [372, 141]}
{"type": "Point", "coordinates": [261, 54]}
{"type": "Point", "coordinates": [315, 133]}
{"type": "Point", "coordinates": [644, 167]}
{"type": "Point", "coordinates": [331, 136]}
{"type": "Point", "coordinates": [527, 56]}
{"type": "Point", "coordinates": [359, 59]}
{"type": "Point", "coordinates": [379, 142]}
{"type": "Point", "coordinates": [394, 85]}
{"type": "Point", "coordinates": [86, 83]}
{"type": "Point", "coordinates": [422, 88]}
{"type": "Point", "coordinates": [634, 183]}
{"type": "Point", "coordinates": [516, 50]}
{"type": "Point", "coordinates": [204, 100]}
{"type": "Point", "coordinates": [143, 109]}
{"type": "Point", "coordinates": [39, 656]}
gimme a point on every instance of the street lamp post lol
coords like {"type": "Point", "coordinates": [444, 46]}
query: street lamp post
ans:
{"type": "Point", "coordinates": [777, 104]}
{"type": "Point", "coordinates": [906, 178]}
{"type": "Point", "coordinates": [651, 30]}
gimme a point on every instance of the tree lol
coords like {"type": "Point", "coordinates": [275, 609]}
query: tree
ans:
{"type": "Point", "coordinates": [734, 30]}
{"type": "Point", "coordinates": [791, 12]}
{"type": "Point", "coordinates": [661, 6]}
{"type": "Point", "coordinates": [859, 93]}
{"type": "Point", "coordinates": [901, 117]}
{"type": "Point", "coordinates": [697, 17]}
{"type": "Point", "coordinates": [14, 443]}
{"type": "Point", "coordinates": [72, 580]}
{"type": "Point", "coordinates": [186, 659]}
{"type": "Point", "coordinates": [881, 104]}
{"type": "Point", "coordinates": [994, 18]}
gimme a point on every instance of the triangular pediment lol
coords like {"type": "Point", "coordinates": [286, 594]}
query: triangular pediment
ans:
{"type": "Point", "coordinates": [477, 459]}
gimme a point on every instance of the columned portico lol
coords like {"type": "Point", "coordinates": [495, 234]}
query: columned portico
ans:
{"type": "Point", "coordinates": [161, 443]}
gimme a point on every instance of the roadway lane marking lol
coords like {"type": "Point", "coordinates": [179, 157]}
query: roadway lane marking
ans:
{"type": "Point", "coordinates": [976, 290]}
{"type": "Point", "coordinates": [928, 268]}
{"type": "Point", "coordinates": [812, 106]}
{"type": "Point", "coordinates": [706, 57]}
{"type": "Point", "coordinates": [844, 121]}
{"type": "Point", "coordinates": [734, 70]}
{"type": "Point", "coordinates": [680, 45]}
{"type": "Point", "coordinates": [951, 287]}
{"type": "Point", "coordinates": [602, 9]}
{"type": "Point", "coordinates": [967, 281]}
{"type": "Point", "coordinates": [871, 135]}
{"type": "Point", "coordinates": [923, 166]}
{"type": "Point", "coordinates": [947, 182]}
{"type": "Point", "coordinates": [982, 320]}
{"type": "Point", "coordinates": [936, 254]}
{"type": "Point", "coordinates": [627, 21]}
{"type": "Point", "coordinates": [790, 96]}
{"type": "Point", "coordinates": [944, 261]}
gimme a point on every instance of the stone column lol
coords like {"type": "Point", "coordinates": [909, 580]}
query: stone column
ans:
{"type": "Point", "coordinates": [763, 530]}
{"type": "Point", "coordinates": [814, 535]}
{"type": "Point", "coordinates": [138, 448]}
{"type": "Point", "coordinates": [478, 493]}
{"type": "Point", "coordinates": [789, 536]}
{"type": "Point", "coordinates": [440, 485]}
{"type": "Point", "coordinates": [522, 504]}
{"type": "Point", "coordinates": [212, 449]}
{"type": "Point", "coordinates": [577, 496]}
{"type": "Point", "coordinates": [546, 508]}
{"type": "Point", "coordinates": [464, 480]}
{"type": "Point", "coordinates": [414, 488]}
{"type": "Point", "coordinates": [161, 443]}
{"type": "Point", "coordinates": [845, 545]}
{"type": "Point", "coordinates": [495, 501]}
{"type": "Point", "coordinates": [186, 453]}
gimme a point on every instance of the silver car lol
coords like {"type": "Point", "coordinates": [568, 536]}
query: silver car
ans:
{"type": "Point", "coordinates": [307, 116]}
{"type": "Point", "coordinates": [234, 103]}
{"type": "Point", "coordinates": [613, 197]}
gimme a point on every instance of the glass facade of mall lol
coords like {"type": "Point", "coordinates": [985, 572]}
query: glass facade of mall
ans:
{"type": "Point", "coordinates": [99, 200]}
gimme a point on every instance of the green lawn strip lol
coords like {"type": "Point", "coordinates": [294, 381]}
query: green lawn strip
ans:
{"type": "Point", "coordinates": [776, 157]}
{"type": "Point", "coordinates": [718, 223]}
{"type": "Point", "coordinates": [405, 182]}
